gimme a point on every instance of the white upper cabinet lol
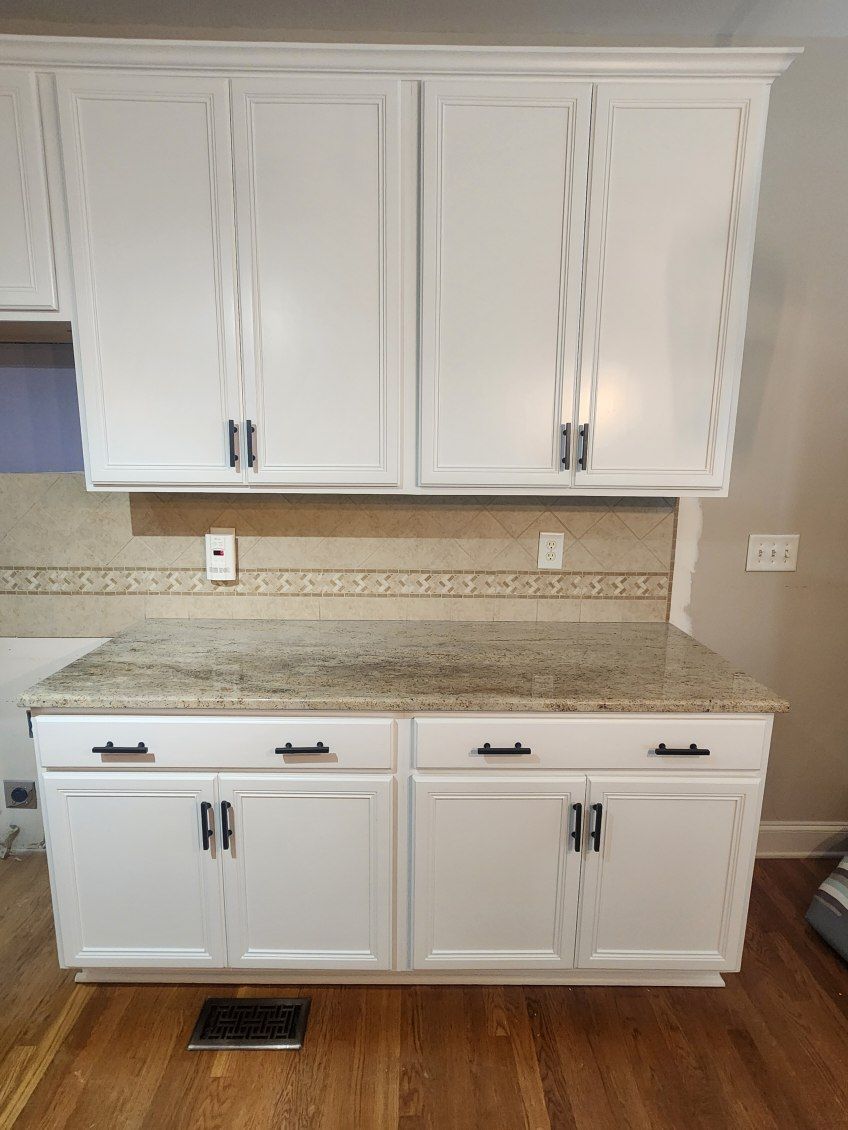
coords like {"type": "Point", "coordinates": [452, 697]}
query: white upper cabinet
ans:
{"type": "Point", "coordinates": [503, 198]}
{"type": "Point", "coordinates": [318, 196]}
{"type": "Point", "coordinates": [149, 185]}
{"type": "Point", "coordinates": [672, 208]}
{"type": "Point", "coordinates": [27, 274]}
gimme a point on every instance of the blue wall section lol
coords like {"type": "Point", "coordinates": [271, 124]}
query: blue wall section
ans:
{"type": "Point", "coordinates": [39, 413]}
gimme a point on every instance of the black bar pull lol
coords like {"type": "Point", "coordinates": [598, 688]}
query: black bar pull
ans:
{"type": "Point", "coordinates": [206, 831]}
{"type": "Point", "coordinates": [663, 750]}
{"type": "Point", "coordinates": [232, 431]}
{"type": "Point", "coordinates": [250, 432]}
{"type": "Point", "coordinates": [518, 748]}
{"type": "Point", "coordinates": [226, 830]}
{"type": "Point", "coordinates": [319, 747]}
{"type": "Point", "coordinates": [583, 447]}
{"type": "Point", "coordinates": [595, 834]}
{"type": "Point", "coordinates": [577, 830]}
{"type": "Point", "coordinates": [565, 447]}
{"type": "Point", "coordinates": [110, 747]}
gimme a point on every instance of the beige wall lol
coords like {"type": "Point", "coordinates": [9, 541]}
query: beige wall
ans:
{"type": "Point", "coordinates": [790, 467]}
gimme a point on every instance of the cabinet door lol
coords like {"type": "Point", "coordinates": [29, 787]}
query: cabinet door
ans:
{"type": "Point", "coordinates": [668, 887]}
{"type": "Point", "coordinates": [308, 871]}
{"type": "Point", "coordinates": [27, 277]}
{"type": "Point", "coordinates": [672, 209]}
{"type": "Point", "coordinates": [133, 886]}
{"type": "Point", "coordinates": [496, 872]}
{"type": "Point", "coordinates": [318, 192]}
{"type": "Point", "coordinates": [504, 188]}
{"type": "Point", "coordinates": [149, 184]}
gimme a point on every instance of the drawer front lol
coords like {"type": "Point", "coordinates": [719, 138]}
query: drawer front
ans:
{"type": "Point", "coordinates": [598, 742]}
{"type": "Point", "coordinates": [83, 741]}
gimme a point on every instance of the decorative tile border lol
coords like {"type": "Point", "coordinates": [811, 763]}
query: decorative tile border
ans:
{"type": "Point", "coordinates": [109, 581]}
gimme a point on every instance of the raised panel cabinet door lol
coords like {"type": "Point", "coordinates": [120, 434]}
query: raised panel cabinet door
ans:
{"type": "Point", "coordinates": [150, 204]}
{"type": "Point", "coordinates": [133, 884]}
{"type": "Point", "coordinates": [496, 871]}
{"type": "Point", "coordinates": [503, 204]}
{"type": "Point", "coordinates": [668, 886]}
{"type": "Point", "coordinates": [308, 870]}
{"type": "Point", "coordinates": [27, 275]}
{"type": "Point", "coordinates": [317, 165]}
{"type": "Point", "coordinates": [672, 211]}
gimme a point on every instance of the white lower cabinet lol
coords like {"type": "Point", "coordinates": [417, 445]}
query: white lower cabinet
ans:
{"type": "Point", "coordinates": [308, 870]}
{"type": "Point", "coordinates": [667, 887]}
{"type": "Point", "coordinates": [496, 871]}
{"type": "Point", "coordinates": [568, 873]}
{"type": "Point", "coordinates": [132, 883]}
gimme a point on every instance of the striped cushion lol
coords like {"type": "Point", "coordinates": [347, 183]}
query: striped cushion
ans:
{"type": "Point", "coordinates": [828, 911]}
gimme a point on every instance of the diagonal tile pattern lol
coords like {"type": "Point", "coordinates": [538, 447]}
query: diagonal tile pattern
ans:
{"type": "Point", "coordinates": [97, 560]}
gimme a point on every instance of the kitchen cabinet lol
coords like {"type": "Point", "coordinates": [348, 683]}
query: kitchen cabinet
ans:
{"type": "Point", "coordinates": [317, 178]}
{"type": "Point", "coordinates": [133, 886]}
{"type": "Point", "coordinates": [149, 187]}
{"type": "Point", "coordinates": [308, 870]}
{"type": "Point", "coordinates": [667, 874]}
{"type": "Point", "coordinates": [504, 191]}
{"type": "Point", "coordinates": [435, 856]}
{"type": "Point", "coordinates": [394, 269]}
{"type": "Point", "coordinates": [27, 268]}
{"type": "Point", "coordinates": [672, 211]}
{"type": "Point", "coordinates": [497, 869]}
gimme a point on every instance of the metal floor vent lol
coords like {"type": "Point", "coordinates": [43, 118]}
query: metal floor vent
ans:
{"type": "Point", "coordinates": [267, 1022]}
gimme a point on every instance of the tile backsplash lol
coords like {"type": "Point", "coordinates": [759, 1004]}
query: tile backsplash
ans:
{"type": "Point", "coordinates": [75, 563]}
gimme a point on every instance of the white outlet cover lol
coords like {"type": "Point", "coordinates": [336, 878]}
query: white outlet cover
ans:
{"type": "Point", "coordinates": [772, 553]}
{"type": "Point", "coordinates": [550, 551]}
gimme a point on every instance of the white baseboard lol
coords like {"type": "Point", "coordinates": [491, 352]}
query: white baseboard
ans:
{"type": "Point", "coordinates": [785, 839]}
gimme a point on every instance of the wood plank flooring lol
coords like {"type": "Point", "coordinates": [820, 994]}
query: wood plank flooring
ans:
{"type": "Point", "coordinates": [770, 1050]}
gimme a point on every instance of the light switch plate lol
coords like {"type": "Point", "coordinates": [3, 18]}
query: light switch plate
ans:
{"type": "Point", "coordinates": [550, 551]}
{"type": "Point", "coordinates": [772, 553]}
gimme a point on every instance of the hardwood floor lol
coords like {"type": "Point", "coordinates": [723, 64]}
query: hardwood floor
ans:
{"type": "Point", "coordinates": [770, 1050]}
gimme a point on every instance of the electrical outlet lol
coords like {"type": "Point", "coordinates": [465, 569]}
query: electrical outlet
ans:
{"type": "Point", "coordinates": [20, 794]}
{"type": "Point", "coordinates": [550, 551]}
{"type": "Point", "coordinates": [772, 553]}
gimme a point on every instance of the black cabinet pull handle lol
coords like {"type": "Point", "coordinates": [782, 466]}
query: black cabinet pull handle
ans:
{"type": "Point", "coordinates": [110, 747]}
{"type": "Point", "coordinates": [565, 447]}
{"type": "Point", "coordinates": [206, 831]}
{"type": "Point", "coordinates": [518, 748]}
{"type": "Point", "coordinates": [250, 432]}
{"type": "Point", "coordinates": [232, 431]}
{"type": "Point", "coordinates": [663, 750]}
{"type": "Point", "coordinates": [226, 830]}
{"type": "Point", "coordinates": [577, 831]}
{"type": "Point", "coordinates": [595, 834]}
{"type": "Point", "coordinates": [289, 748]}
{"type": "Point", "coordinates": [583, 448]}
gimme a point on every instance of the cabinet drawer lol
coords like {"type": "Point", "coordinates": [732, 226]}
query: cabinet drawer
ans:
{"type": "Point", "coordinates": [82, 741]}
{"type": "Point", "coordinates": [595, 742]}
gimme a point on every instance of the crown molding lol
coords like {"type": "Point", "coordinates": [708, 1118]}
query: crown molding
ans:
{"type": "Point", "coordinates": [56, 52]}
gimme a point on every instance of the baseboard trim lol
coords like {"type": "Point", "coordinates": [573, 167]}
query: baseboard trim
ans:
{"type": "Point", "coordinates": [785, 839]}
{"type": "Point", "coordinates": [681, 978]}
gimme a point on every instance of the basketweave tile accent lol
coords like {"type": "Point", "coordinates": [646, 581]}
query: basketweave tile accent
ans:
{"type": "Point", "coordinates": [109, 581]}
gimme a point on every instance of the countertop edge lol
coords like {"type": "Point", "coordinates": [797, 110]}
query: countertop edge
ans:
{"type": "Point", "coordinates": [58, 704]}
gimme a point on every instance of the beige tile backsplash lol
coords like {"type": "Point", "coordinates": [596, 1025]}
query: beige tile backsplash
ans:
{"type": "Point", "coordinates": [76, 563]}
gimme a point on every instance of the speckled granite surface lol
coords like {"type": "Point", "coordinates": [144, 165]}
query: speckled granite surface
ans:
{"type": "Point", "coordinates": [400, 666]}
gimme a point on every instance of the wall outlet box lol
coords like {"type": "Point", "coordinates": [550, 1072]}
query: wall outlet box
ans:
{"type": "Point", "coordinates": [550, 551]}
{"type": "Point", "coordinates": [221, 555]}
{"type": "Point", "coordinates": [772, 553]}
{"type": "Point", "coordinates": [20, 794]}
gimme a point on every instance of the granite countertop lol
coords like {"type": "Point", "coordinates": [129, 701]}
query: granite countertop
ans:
{"type": "Point", "coordinates": [255, 665]}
